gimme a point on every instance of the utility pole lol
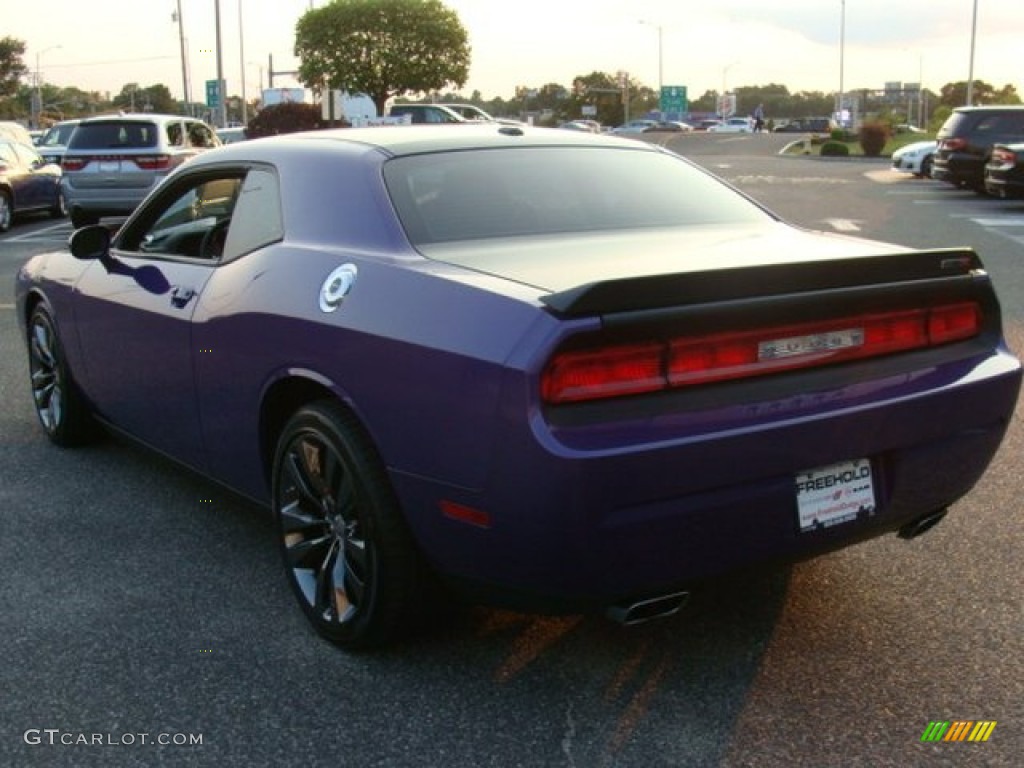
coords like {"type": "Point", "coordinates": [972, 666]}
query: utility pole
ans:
{"type": "Point", "coordinates": [222, 109]}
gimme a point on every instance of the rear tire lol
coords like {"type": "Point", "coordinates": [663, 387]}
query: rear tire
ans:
{"type": "Point", "coordinates": [60, 206]}
{"type": "Point", "coordinates": [80, 218]}
{"type": "Point", "coordinates": [61, 409]}
{"type": "Point", "coordinates": [349, 556]}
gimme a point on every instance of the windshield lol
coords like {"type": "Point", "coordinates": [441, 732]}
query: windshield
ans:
{"type": "Point", "coordinates": [494, 193]}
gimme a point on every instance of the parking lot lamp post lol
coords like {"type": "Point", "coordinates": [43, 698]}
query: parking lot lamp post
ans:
{"type": "Point", "coordinates": [185, 99]}
{"type": "Point", "coordinates": [37, 106]}
{"type": "Point", "coordinates": [970, 72]}
{"type": "Point", "coordinates": [842, 63]}
{"type": "Point", "coordinates": [222, 108]}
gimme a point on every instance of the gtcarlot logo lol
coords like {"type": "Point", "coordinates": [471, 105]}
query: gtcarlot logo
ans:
{"type": "Point", "coordinates": [56, 737]}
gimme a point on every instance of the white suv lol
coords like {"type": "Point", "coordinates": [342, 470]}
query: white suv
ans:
{"type": "Point", "coordinates": [112, 162]}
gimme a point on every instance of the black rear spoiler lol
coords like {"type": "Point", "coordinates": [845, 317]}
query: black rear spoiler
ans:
{"type": "Point", "coordinates": [679, 290]}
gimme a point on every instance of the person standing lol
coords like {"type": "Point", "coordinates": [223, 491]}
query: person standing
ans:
{"type": "Point", "coordinates": [759, 118]}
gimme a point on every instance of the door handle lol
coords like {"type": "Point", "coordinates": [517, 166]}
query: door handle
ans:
{"type": "Point", "coordinates": [180, 296]}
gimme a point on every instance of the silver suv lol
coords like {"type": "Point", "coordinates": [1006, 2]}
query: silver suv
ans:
{"type": "Point", "coordinates": [112, 162]}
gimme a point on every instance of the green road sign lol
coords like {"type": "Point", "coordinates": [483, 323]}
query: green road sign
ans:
{"type": "Point", "coordinates": [212, 94]}
{"type": "Point", "coordinates": [673, 99]}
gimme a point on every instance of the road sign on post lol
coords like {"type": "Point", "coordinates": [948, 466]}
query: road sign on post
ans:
{"type": "Point", "coordinates": [727, 104]}
{"type": "Point", "coordinates": [673, 101]}
{"type": "Point", "coordinates": [212, 94]}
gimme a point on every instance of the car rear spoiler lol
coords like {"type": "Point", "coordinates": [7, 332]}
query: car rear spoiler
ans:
{"type": "Point", "coordinates": [680, 290]}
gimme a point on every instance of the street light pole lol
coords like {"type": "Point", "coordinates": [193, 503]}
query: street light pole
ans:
{"type": "Point", "coordinates": [241, 61]}
{"type": "Point", "coordinates": [222, 109]}
{"type": "Point", "coordinates": [842, 62]}
{"type": "Point", "coordinates": [970, 74]}
{"type": "Point", "coordinates": [37, 112]}
{"type": "Point", "coordinates": [661, 58]}
{"type": "Point", "coordinates": [186, 99]}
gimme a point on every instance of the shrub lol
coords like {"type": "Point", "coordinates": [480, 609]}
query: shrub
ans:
{"type": "Point", "coordinates": [834, 149]}
{"type": "Point", "coordinates": [873, 137]}
{"type": "Point", "coordinates": [288, 117]}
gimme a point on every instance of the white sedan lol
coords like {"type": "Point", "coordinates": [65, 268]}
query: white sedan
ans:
{"type": "Point", "coordinates": [733, 125]}
{"type": "Point", "coordinates": [915, 158]}
{"type": "Point", "coordinates": [635, 126]}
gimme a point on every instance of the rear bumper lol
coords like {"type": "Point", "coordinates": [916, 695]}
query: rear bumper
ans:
{"type": "Point", "coordinates": [959, 169]}
{"type": "Point", "coordinates": [110, 201]}
{"type": "Point", "coordinates": [576, 530]}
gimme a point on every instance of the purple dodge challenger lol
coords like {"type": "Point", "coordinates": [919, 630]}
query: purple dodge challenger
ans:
{"type": "Point", "coordinates": [560, 371]}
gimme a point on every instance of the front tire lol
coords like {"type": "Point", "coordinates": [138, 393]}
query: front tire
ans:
{"type": "Point", "coordinates": [348, 554]}
{"type": "Point", "coordinates": [6, 211]}
{"type": "Point", "coordinates": [926, 167]}
{"type": "Point", "coordinates": [61, 409]}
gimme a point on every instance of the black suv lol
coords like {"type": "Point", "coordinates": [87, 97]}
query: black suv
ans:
{"type": "Point", "coordinates": [965, 142]}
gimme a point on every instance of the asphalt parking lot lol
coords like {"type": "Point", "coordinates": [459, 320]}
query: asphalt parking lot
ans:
{"type": "Point", "coordinates": [148, 621]}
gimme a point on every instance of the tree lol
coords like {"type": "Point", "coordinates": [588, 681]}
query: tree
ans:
{"type": "Point", "coordinates": [383, 48]}
{"type": "Point", "coordinates": [287, 117]}
{"type": "Point", "coordinates": [955, 94]}
{"type": "Point", "coordinates": [12, 69]}
{"type": "Point", "coordinates": [154, 98]}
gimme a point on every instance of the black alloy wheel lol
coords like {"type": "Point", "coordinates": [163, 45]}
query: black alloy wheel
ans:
{"type": "Point", "coordinates": [348, 554]}
{"type": "Point", "coordinates": [59, 406]}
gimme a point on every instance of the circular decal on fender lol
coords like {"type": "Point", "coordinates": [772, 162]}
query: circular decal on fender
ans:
{"type": "Point", "coordinates": [336, 287]}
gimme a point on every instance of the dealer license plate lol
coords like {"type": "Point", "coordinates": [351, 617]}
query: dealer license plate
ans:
{"type": "Point", "coordinates": [110, 166]}
{"type": "Point", "coordinates": [835, 494]}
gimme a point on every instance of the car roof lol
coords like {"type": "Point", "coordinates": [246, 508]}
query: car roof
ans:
{"type": "Point", "coordinates": [137, 117]}
{"type": "Point", "coordinates": [418, 139]}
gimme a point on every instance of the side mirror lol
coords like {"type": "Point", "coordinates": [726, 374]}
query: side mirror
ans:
{"type": "Point", "coordinates": [92, 242]}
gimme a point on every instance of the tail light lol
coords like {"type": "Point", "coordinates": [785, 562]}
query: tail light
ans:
{"type": "Point", "coordinates": [1004, 157]}
{"type": "Point", "coordinates": [74, 163]}
{"type": "Point", "coordinates": [651, 366]}
{"type": "Point", "coordinates": [955, 144]}
{"type": "Point", "coordinates": [152, 162]}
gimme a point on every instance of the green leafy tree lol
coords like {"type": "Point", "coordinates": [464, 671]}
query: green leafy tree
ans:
{"type": "Point", "coordinates": [383, 48]}
{"type": "Point", "coordinates": [287, 117]}
{"type": "Point", "coordinates": [955, 94]}
{"type": "Point", "coordinates": [12, 68]}
{"type": "Point", "coordinates": [154, 98]}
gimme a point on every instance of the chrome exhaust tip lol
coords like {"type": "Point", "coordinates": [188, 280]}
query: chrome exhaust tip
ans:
{"type": "Point", "coordinates": [922, 524]}
{"type": "Point", "coordinates": [640, 611]}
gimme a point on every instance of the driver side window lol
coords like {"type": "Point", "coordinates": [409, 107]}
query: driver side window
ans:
{"type": "Point", "coordinates": [194, 223]}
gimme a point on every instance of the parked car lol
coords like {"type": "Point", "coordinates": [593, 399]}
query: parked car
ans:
{"type": "Point", "coordinates": [54, 141]}
{"type": "Point", "coordinates": [966, 140]}
{"type": "Point", "coordinates": [669, 126]}
{"type": "Point", "coordinates": [113, 162]}
{"type": "Point", "coordinates": [634, 126]}
{"type": "Point", "coordinates": [559, 371]}
{"type": "Point", "coordinates": [578, 125]}
{"type": "Point", "coordinates": [27, 183]}
{"type": "Point", "coordinates": [915, 158]}
{"type": "Point", "coordinates": [231, 135]}
{"type": "Point", "coordinates": [473, 113]}
{"type": "Point", "coordinates": [16, 132]}
{"type": "Point", "coordinates": [1004, 171]}
{"type": "Point", "coordinates": [427, 114]}
{"type": "Point", "coordinates": [707, 125]}
{"type": "Point", "coordinates": [733, 125]}
{"type": "Point", "coordinates": [816, 125]}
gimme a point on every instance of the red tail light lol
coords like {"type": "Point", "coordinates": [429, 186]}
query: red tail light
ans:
{"type": "Point", "coordinates": [1001, 156]}
{"type": "Point", "coordinates": [954, 144]}
{"type": "Point", "coordinates": [74, 163]}
{"type": "Point", "coordinates": [613, 371]}
{"type": "Point", "coordinates": [152, 162]}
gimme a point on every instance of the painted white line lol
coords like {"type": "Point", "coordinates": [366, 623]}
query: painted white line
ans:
{"type": "Point", "coordinates": [33, 235]}
{"type": "Point", "coordinates": [1008, 221]}
{"type": "Point", "coordinates": [6, 306]}
{"type": "Point", "coordinates": [843, 225]}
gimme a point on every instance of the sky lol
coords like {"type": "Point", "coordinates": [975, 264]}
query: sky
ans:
{"type": "Point", "coordinates": [703, 45]}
